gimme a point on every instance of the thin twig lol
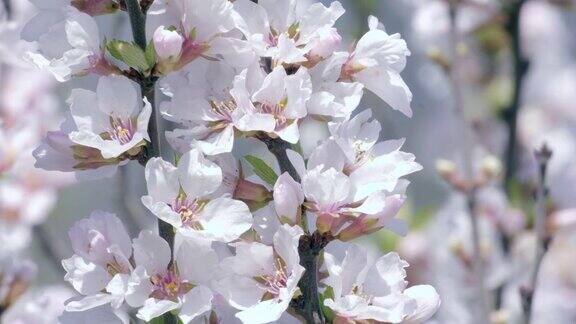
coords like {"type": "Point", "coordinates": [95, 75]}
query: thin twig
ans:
{"type": "Point", "coordinates": [543, 156]}
{"type": "Point", "coordinates": [467, 151]}
{"type": "Point", "coordinates": [521, 66]}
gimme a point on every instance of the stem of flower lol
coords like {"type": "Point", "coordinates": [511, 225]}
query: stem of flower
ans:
{"type": "Point", "coordinates": [543, 156]}
{"type": "Point", "coordinates": [521, 66]}
{"type": "Point", "coordinates": [278, 147]}
{"type": "Point", "coordinates": [137, 15]}
{"type": "Point", "coordinates": [467, 147]}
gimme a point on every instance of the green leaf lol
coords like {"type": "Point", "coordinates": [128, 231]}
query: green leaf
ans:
{"type": "Point", "coordinates": [328, 313]}
{"type": "Point", "coordinates": [129, 53]}
{"type": "Point", "coordinates": [157, 320]}
{"type": "Point", "coordinates": [150, 54]}
{"type": "Point", "coordinates": [262, 169]}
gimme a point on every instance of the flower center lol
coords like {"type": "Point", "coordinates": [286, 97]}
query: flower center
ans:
{"type": "Point", "coordinates": [189, 211]}
{"type": "Point", "coordinates": [276, 110]}
{"type": "Point", "coordinates": [169, 286]}
{"type": "Point", "coordinates": [362, 156]}
{"type": "Point", "coordinates": [276, 281]}
{"type": "Point", "coordinates": [223, 109]}
{"type": "Point", "coordinates": [121, 130]}
{"type": "Point", "coordinates": [358, 291]}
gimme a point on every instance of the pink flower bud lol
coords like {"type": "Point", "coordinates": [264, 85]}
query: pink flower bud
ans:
{"type": "Point", "coordinates": [95, 7]}
{"type": "Point", "coordinates": [328, 41]}
{"type": "Point", "coordinates": [168, 43]}
{"type": "Point", "coordinates": [254, 195]}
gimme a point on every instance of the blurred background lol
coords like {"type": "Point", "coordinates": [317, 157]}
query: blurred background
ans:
{"type": "Point", "coordinates": [480, 71]}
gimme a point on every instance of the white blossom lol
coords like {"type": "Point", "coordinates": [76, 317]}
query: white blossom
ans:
{"type": "Point", "coordinates": [263, 278]}
{"type": "Point", "coordinates": [113, 119]}
{"type": "Point", "coordinates": [181, 196]}
{"type": "Point", "coordinates": [366, 288]}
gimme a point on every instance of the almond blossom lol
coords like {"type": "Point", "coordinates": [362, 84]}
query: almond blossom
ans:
{"type": "Point", "coordinates": [273, 104]}
{"type": "Point", "coordinates": [158, 286]}
{"type": "Point", "coordinates": [207, 112]}
{"type": "Point", "coordinates": [376, 62]}
{"type": "Point", "coordinates": [69, 46]}
{"type": "Point", "coordinates": [235, 242]}
{"type": "Point", "coordinates": [181, 196]}
{"type": "Point", "coordinates": [112, 119]}
{"type": "Point", "coordinates": [289, 31]}
{"type": "Point", "coordinates": [352, 185]}
{"type": "Point", "coordinates": [101, 261]}
{"type": "Point", "coordinates": [374, 290]}
{"type": "Point", "coordinates": [263, 279]}
{"type": "Point", "coordinates": [201, 29]}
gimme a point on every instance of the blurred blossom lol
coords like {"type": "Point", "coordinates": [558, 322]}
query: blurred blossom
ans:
{"type": "Point", "coordinates": [42, 306]}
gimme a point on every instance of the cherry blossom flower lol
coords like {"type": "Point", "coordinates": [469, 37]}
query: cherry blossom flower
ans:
{"type": "Point", "coordinates": [56, 152]}
{"type": "Point", "coordinates": [289, 31]}
{"type": "Point", "coordinates": [42, 306]}
{"type": "Point", "coordinates": [263, 278]}
{"type": "Point", "coordinates": [275, 104]}
{"type": "Point", "coordinates": [376, 62]}
{"type": "Point", "coordinates": [68, 44]}
{"type": "Point", "coordinates": [201, 101]}
{"type": "Point", "coordinates": [157, 286]}
{"type": "Point", "coordinates": [352, 185]}
{"type": "Point", "coordinates": [375, 290]}
{"type": "Point", "coordinates": [111, 119]}
{"type": "Point", "coordinates": [101, 261]}
{"type": "Point", "coordinates": [203, 27]}
{"type": "Point", "coordinates": [181, 196]}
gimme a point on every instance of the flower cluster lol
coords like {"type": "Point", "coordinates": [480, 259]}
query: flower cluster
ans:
{"type": "Point", "coordinates": [233, 246]}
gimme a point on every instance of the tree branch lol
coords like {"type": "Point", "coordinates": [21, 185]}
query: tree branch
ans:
{"type": "Point", "coordinates": [147, 85]}
{"type": "Point", "coordinates": [521, 66]}
{"type": "Point", "coordinates": [543, 156]}
{"type": "Point", "coordinates": [51, 251]}
{"type": "Point", "coordinates": [8, 9]}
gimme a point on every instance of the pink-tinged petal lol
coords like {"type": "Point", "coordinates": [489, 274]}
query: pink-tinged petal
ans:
{"type": "Point", "coordinates": [288, 197]}
{"type": "Point", "coordinates": [152, 252]}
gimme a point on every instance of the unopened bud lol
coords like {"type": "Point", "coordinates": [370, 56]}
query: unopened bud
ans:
{"type": "Point", "coordinates": [254, 195]}
{"type": "Point", "coordinates": [167, 43]}
{"type": "Point", "coordinates": [438, 57]}
{"type": "Point", "coordinates": [446, 168]}
{"type": "Point", "coordinates": [95, 7]}
{"type": "Point", "coordinates": [500, 317]}
{"type": "Point", "coordinates": [491, 167]}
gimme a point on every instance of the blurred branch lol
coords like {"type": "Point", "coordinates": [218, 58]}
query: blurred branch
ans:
{"type": "Point", "coordinates": [543, 156]}
{"type": "Point", "coordinates": [131, 210]}
{"type": "Point", "coordinates": [467, 151]}
{"type": "Point", "coordinates": [8, 9]}
{"type": "Point", "coordinates": [521, 66]}
{"type": "Point", "coordinates": [49, 249]}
